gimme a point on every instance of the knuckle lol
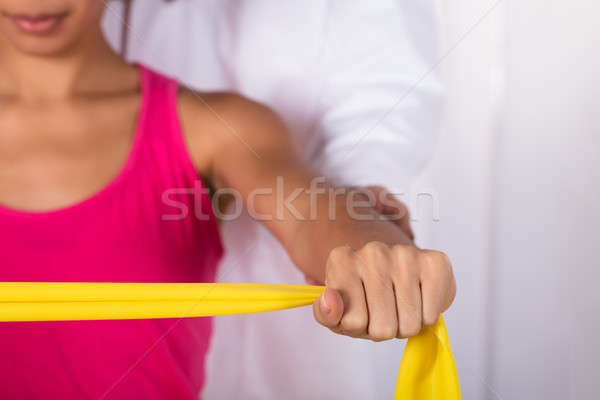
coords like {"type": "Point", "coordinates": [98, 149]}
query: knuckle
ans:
{"type": "Point", "coordinates": [436, 259]}
{"type": "Point", "coordinates": [340, 255]}
{"type": "Point", "coordinates": [405, 258]}
{"type": "Point", "coordinates": [375, 247]}
{"type": "Point", "coordinates": [381, 332]}
{"type": "Point", "coordinates": [410, 329]}
{"type": "Point", "coordinates": [436, 263]}
{"type": "Point", "coordinates": [354, 324]}
{"type": "Point", "coordinates": [430, 318]}
{"type": "Point", "coordinates": [373, 260]}
{"type": "Point", "coordinates": [404, 254]}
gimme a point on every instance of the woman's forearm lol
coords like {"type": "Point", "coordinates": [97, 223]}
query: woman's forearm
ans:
{"type": "Point", "coordinates": [347, 219]}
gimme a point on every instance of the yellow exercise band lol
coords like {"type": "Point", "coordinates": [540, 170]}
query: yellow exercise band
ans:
{"type": "Point", "coordinates": [427, 370]}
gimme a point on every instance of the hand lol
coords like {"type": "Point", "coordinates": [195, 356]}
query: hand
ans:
{"type": "Point", "coordinates": [388, 205]}
{"type": "Point", "coordinates": [380, 292]}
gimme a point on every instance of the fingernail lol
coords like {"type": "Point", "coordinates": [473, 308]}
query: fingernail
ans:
{"type": "Point", "coordinates": [323, 305]}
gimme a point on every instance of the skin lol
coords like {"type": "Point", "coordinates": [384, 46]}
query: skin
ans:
{"type": "Point", "coordinates": [68, 108]}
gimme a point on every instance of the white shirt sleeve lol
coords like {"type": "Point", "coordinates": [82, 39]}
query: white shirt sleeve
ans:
{"type": "Point", "coordinates": [363, 73]}
{"type": "Point", "coordinates": [381, 101]}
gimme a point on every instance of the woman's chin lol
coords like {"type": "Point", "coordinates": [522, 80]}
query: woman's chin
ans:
{"type": "Point", "coordinates": [39, 46]}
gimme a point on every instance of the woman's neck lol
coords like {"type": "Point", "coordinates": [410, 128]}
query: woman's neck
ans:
{"type": "Point", "coordinates": [89, 66]}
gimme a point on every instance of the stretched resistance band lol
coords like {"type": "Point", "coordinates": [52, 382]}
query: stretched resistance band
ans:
{"type": "Point", "coordinates": [427, 370]}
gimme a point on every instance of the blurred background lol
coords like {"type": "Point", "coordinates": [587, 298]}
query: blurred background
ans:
{"type": "Point", "coordinates": [516, 183]}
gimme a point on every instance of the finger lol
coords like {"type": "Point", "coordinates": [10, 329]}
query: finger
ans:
{"type": "Point", "coordinates": [329, 308]}
{"type": "Point", "coordinates": [407, 290]}
{"type": "Point", "coordinates": [375, 262]}
{"type": "Point", "coordinates": [342, 276]}
{"type": "Point", "coordinates": [437, 285]}
{"type": "Point", "coordinates": [355, 320]}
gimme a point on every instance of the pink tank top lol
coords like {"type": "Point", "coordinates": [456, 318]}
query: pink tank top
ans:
{"type": "Point", "coordinates": [131, 231]}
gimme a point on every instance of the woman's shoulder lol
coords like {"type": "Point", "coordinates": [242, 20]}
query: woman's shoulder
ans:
{"type": "Point", "coordinates": [218, 123]}
{"type": "Point", "coordinates": [219, 105]}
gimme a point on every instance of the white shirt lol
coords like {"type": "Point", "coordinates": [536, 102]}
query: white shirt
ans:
{"type": "Point", "coordinates": [355, 82]}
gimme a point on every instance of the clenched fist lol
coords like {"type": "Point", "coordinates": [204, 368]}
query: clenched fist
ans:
{"type": "Point", "coordinates": [380, 292]}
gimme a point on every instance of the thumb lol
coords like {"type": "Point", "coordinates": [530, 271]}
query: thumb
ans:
{"type": "Point", "coordinates": [329, 308]}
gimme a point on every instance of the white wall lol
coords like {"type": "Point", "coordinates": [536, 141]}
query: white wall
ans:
{"type": "Point", "coordinates": [548, 209]}
{"type": "Point", "coordinates": [516, 173]}
{"type": "Point", "coordinates": [460, 177]}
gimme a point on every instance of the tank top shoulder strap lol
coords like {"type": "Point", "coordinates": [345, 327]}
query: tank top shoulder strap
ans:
{"type": "Point", "coordinates": [159, 101]}
{"type": "Point", "coordinates": [160, 124]}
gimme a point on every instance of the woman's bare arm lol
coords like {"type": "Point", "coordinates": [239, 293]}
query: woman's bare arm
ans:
{"type": "Point", "coordinates": [381, 286]}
